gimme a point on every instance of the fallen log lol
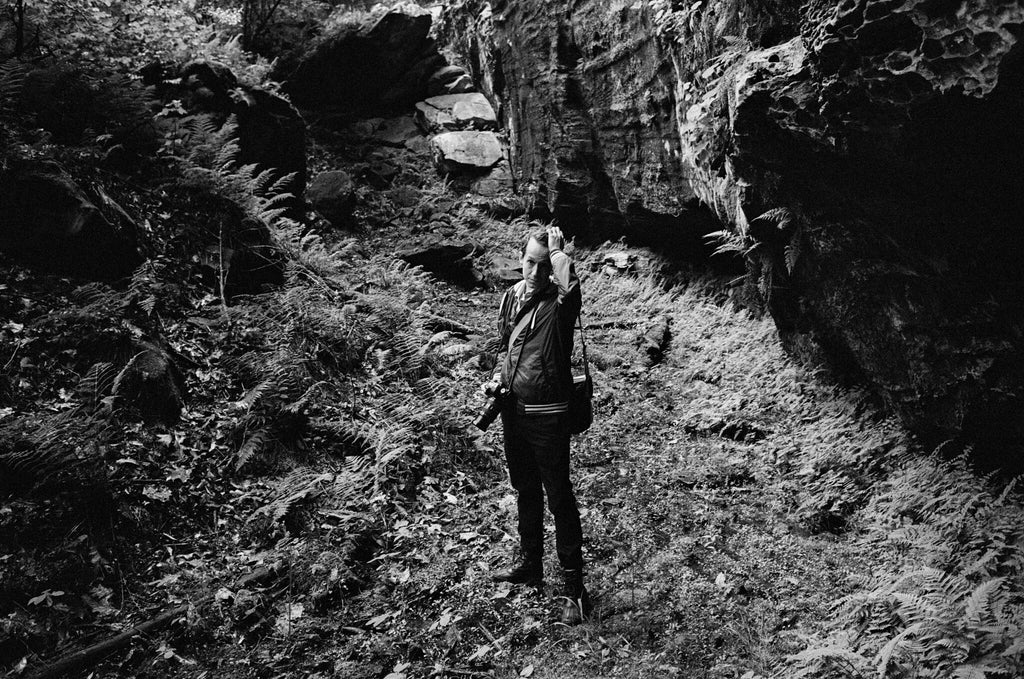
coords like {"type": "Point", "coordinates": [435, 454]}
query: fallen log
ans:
{"type": "Point", "coordinates": [436, 323]}
{"type": "Point", "coordinates": [618, 325]}
{"type": "Point", "coordinates": [89, 656]}
{"type": "Point", "coordinates": [78, 660]}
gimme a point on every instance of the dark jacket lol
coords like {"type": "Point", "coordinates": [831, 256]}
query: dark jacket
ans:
{"type": "Point", "coordinates": [541, 353]}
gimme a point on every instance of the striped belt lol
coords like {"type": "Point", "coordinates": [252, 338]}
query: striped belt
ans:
{"type": "Point", "coordinates": [541, 408]}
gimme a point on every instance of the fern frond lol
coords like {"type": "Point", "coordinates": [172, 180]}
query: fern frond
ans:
{"type": "Point", "coordinates": [199, 128]}
{"type": "Point", "coordinates": [256, 393]}
{"type": "Point", "coordinates": [255, 445]}
{"type": "Point", "coordinates": [764, 282]}
{"type": "Point", "coordinates": [92, 294]}
{"type": "Point", "coordinates": [282, 184]}
{"type": "Point", "coordinates": [792, 252]}
{"type": "Point", "coordinates": [1007, 491]}
{"type": "Point", "coordinates": [978, 609]}
{"type": "Point", "coordinates": [884, 656]}
{"type": "Point", "coordinates": [125, 372]}
{"type": "Point", "coordinates": [431, 388]}
{"type": "Point", "coordinates": [261, 181]}
{"type": "Point", "coordinates": [62, 447]}
{"type": "Point", "coordinates": [973, 671]}
{"type": "Point", "coordinates": [298, 487]}
{"type": "Point", "coordinates": [778, 215]}
{"type": "Point", "coordinates": [13, 74]}
{"type": "Point", "coordinates": [97, 383]}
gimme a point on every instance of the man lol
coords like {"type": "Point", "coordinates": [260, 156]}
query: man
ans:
{"type": "Point", "coordinates": [536, 321]}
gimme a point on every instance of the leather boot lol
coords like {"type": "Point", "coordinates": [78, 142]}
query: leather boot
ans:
{"type": "Point", "coordinates": [577, 600]}
{"type": "Point", "coordinates": [526, 572]}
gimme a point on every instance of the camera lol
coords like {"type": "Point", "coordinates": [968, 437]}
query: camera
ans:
{"type": "Point", "coordinates": [492, 408]}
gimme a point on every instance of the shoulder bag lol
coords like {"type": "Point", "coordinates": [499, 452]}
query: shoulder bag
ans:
{"type": "Point", "coordinates": [581, 403]}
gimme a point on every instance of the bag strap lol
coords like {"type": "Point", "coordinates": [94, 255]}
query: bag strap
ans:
{"type": "Point", "coordinates": [583, 342]}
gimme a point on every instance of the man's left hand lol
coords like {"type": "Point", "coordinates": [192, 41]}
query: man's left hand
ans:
{"type": "Point", "coordinates": [556, 240]}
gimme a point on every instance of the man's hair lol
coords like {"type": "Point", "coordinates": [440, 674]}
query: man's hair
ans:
{"type": "Point", "coordinates": [539, 235]}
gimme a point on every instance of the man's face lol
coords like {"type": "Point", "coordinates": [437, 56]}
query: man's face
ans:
{"type": "Point", "coordinates": [536, 266]}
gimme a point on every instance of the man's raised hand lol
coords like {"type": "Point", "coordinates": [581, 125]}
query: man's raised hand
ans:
{"type": "Point", "coordinates": [556, 240]}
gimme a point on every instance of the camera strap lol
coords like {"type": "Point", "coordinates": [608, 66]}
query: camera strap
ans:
{"type": "Point", "coordinates": [516, 332]}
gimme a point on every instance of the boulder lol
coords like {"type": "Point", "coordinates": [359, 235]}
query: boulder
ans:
{"type": "Point", "coordinates": [361, 70]}
{"type": "Point", "coordinates": [232, 246]}
{"type": "Point", "coordinates": [271, 133]}
{"type": "Point", "coordinates": [456, 112]}
{"type": "Point", "coordinates": [418, 145]}
{"type": "Point", "coordinates": [618, 263]}
{"type": "Point", "coordinates": [332, 194]}
{"type": "Point", "coordinates": [503, 271]}
{"type": "Point", "coordinates": [48, 222]}
{"type": "Point", "coordinates": [412, 84]}
{"type": "Point", "coordinates": [459, 152]}
{"type": "Point", "coordinates": [150, 386]}
{"type": "Point", "coordinates": [210, 84]}
{"type": "Point", "coordinates": [395, 131]}
{"type": "Point", "coordinates": [446, 258]}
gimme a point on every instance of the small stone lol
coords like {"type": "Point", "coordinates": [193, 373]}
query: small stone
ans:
{"type": "Point", "coordinates": [379, 174]}
{"type": "Point", "coordinates": [404, 196]}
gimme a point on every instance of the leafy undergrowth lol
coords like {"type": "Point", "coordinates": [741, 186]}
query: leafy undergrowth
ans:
{"type": "Point", "coordinates": [324, 508]}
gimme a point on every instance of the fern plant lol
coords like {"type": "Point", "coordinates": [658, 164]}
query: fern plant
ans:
{"type": "Point", "coordinates": [12, 81]}
{"type": "Point", "coordinates": [956, 610]}
{"type": "Point", "coordinates": [760, 254]}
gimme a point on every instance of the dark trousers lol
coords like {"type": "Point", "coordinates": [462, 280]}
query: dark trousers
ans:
{"type": "Point", "coordinates": [537, 452]}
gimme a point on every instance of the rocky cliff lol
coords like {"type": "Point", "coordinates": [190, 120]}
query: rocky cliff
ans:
{"type": "Point", "coordinates": [866, 157]}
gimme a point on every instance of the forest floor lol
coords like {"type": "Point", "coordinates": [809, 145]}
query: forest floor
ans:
{"type": "Point", "coordinates": [729, 497]}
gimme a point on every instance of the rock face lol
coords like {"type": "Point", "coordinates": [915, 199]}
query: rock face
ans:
{"type": "Point", "coordinates": [362, 70]}
{"type": "Point", "coordinates": [889, 132]}
{"type": "Point", "coordinates": [587, 94]}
